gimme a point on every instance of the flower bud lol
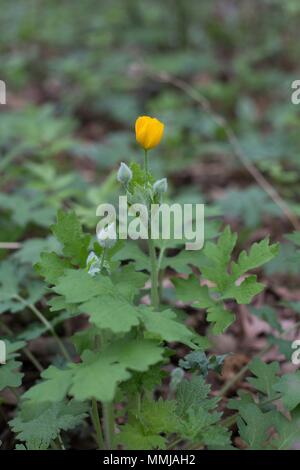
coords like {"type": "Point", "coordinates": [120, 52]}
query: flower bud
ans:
{"type": "Point", "coordinates": [160, 186]}
{"type": "Point", "coordinates": [124, 175]}
{"type": "Point", "coordinates": [107, 236]}
{"type": "Point", "coordinates": [93, 264]}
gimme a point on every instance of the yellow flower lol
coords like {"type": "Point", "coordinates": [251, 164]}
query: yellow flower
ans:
{"type": "Point", "coordinates": [148, 131]}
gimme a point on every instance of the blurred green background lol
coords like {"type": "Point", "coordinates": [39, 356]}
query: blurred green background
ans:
{"type": "Point", "coordinates": [79, 73]}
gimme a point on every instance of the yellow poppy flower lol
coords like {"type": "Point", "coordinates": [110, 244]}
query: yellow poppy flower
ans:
{"type": "Point", "coordinates": [148, 131]}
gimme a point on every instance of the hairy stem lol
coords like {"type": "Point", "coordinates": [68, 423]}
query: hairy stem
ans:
{"type": "Point", "coordinates": [102, 259]}
{"type": "Point", "coordinates": [146, 164]}
{"type": "Point", "coordinates": [33, 360]}
{"type": "Point", "coordinates": [109, 424]}
{"type": "Point", "coordinates": [152, 253]}
{"type": "Point", "coordinates": [154, 274]}
{"type": "Point", "coordinates": [97, 424]}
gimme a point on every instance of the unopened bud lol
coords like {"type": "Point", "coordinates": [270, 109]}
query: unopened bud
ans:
{"type": "Point", "coordinates": [107, 236]}
{"type": "Point", "coordinates": [124, 175]}
{"type": "Point", "coordinates": [93, 264]}
{"type": "Point", "coordinates": [160, 186]}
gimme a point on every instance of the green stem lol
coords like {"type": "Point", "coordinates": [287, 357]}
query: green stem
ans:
{"type": "Point", "coordinates": [109, 424]}
{"type": "Point", "coordinates": [97, 424]}
{"type": "Point", "coordinates": [33, 360]}
{"type": "Point", "coordinates": [153, 258]}
{"type": "Point", "coordinates": [105, 442]}
{"type": "Point", "coordinates": [154, 274]}
{"type": "Point", "coordinates": [146, 164]}
{"type": "Point", "coordinates": [161, 257]}
{"type": "Point", "coordinates": [102, 259]}
{"type": "Point", "coordinates": [46, 323]}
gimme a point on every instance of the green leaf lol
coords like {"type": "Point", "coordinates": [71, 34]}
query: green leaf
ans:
{"type": "Point", "coordinates": [189, 291]}
{"type": "Point", "coordinates": [51, 266]}
{"type": "Point", "coordinates": [54, 387]}
{"type": "Point", "coordinates": [69, 232]}
{"type": "Point", "coordinates": [196, 424]}
{"type": "Point", "coordinates": [112, 313]}
{"type": "Point", "coordinates": [217, 437]}
{"type": "Point", "coordinates": [220, 317]}
{"type": "Point", "coordinates": [98, 375]}
{"type": "Point", "coordinates": [78, 286]}
{"type": "Point", "coordinates": [183, 261]}
{"type": "Point", "coordinates": [128, 281]}
{"type": "Point", "coordinates": [266, 377]}
{"type": "Point", "coordinates": [194, 394]}
{"type": "Point", "coordinates": [259, 254]}
{"type": "Point", "coordinates": [289, 386]}
{"type": "Point", "coordinates": [198, 360]}
{"type": "Point", "coordinates": [10, 376]}
{"type": "Point", "coordinates": [145, 426]}
{"type": "Point", "coordinates": [139, 178]}
{"type": "Point", "coordinates": [224, 274]}
{"type": "Point", "coordinates": [165, 325]}
{"type": "Point", "coordinates": [132, 437]}
{"type": "Point", "coordinates": [10, 278]}
{"type": "Point", "coordinates": [132, 251]}
{"type": "Point", "coordinates": [198, 419]}
{"type": "Point", "coordinates": [244, 292]}
{"type": "Point", "coordinates": [219, 255]}
{"type": "Point", "coordinates": [220, 252]}
{"type": "Point", "coordinates": [244, 398]}
{"type": "Point", "coordinates": [37, 424]}
{"type": "Point", "coordinates": [59, 303]}
{"type": "Point", "coordinates": [253, 425]}
{"type": "Point", "coordinates": [288, 431]}
{"type": "Point", "coordinates": [159, 416]}
{"type": "Point", "coordinates": [28, 206]}
{"type": "Point", "coordinates": [32, 248]}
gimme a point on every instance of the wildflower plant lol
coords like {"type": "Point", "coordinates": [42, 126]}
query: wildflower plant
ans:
{"type": "Point", "coordinates": [124, 354]}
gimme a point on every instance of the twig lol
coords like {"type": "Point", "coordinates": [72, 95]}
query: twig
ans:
{"type": "Point", "coordinates": [10, 245]}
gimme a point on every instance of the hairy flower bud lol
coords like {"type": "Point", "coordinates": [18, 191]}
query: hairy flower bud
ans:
{"type": "Point", "coordinates": [124, 175]}
{"type": "Point", "coordinates": [93, 264]}
{"type": "Point", "coordinates": [107, 236]}
{"type": "Point", "coordinates": [160, 186]}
